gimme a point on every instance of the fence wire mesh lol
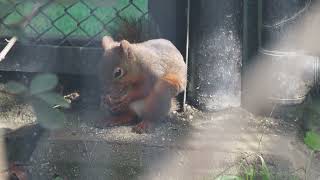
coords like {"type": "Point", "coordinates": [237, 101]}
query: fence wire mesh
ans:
{"type": "Point", "coordinates": [76, 23]}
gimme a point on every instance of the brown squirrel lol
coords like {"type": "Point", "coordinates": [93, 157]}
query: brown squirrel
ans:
{"type": "Point", "coordinates": [140, 80]}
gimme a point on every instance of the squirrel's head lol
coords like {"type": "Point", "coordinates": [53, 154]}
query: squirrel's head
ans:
{"type": "Point", "coordinates": [118, 61]}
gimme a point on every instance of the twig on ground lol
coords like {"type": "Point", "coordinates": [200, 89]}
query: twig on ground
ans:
{"type": "Point", "coordinates": [22, 24]}
{"type": "Point", "coordinates": [6, 49]}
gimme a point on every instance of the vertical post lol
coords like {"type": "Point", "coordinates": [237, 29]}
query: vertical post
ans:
{"type": "Point", "coordinates": [187, 49]}
{"type": "Point", "coordinates": [250, 43]}
{"type": "Point", "coordinates": [283, 72]}
{"type": "Point", "coordinates": [215, 54]}
{"type": "Point", "coordinates": [293, 69]}
{"type": "Point", "coordinates": [279, 19]}
{"type": "Point", "coordinates": [170, 17]}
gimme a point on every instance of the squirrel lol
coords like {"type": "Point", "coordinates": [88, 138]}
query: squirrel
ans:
{"type": "Point", "coordinates": [140, 81]}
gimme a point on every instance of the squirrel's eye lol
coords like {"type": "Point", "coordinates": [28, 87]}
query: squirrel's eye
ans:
{"type": "Point", "coordinates": [118, 72]}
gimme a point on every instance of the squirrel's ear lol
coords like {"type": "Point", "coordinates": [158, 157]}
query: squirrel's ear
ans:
{"type": "Point", "coordinates": [126, 49]}
{"type": "Point", "coordinates": [108, 42]}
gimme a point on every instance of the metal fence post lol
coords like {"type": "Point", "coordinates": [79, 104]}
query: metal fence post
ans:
{"type": "Point", "coordinates": [215, 54]}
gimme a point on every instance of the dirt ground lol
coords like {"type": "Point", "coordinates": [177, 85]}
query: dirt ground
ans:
{"type": "Point", "coordinates": [187, 145]}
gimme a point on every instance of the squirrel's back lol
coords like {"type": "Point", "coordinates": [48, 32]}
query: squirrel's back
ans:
{"type": "Point", "coordinates": [160, 57]}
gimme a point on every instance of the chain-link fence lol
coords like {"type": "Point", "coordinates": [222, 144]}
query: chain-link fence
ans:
{"type": "Point", "coordinates": [68, 23]}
